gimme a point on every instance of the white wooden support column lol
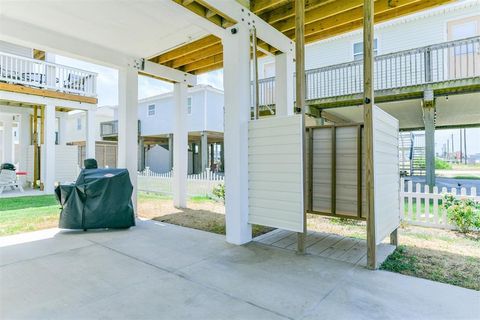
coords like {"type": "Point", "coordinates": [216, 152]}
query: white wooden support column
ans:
{"type": "Point", "coordinates": [180, 146]}
{"type": "Point", "coordinates": [62, 134]}
{"type": "Point", "coordinates": [24, 139]}
{"type": "Point", "coordinates": [284, 69]}
{"type": "Point", "coordinates": [170, 151]}
{"type": "Point", "coordinates": [128, 124]}
{"type": "Point", "coordinates": [49, 150]}
{"type": "Point", "coordinates": [428, 108]}
{"type": "Point", "coordinates": [204, 150]}
{"type": "Point", "coordinates": [236, 81]}
{"type": "Point", "coordinates": [91, 128]}
{"type": "Point", "coordinates": [8, 139]}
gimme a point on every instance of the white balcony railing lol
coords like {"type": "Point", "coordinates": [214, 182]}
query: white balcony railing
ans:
{"type": "Point", "coordinates": [45, 75]}
{"type": "Point", "coordinates": [454, 60]}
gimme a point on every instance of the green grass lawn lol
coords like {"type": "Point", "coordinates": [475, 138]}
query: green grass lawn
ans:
{"type": "Point", "coordinates": [31, 213]}
{"type": "Point", "coordinates": [24, 214]}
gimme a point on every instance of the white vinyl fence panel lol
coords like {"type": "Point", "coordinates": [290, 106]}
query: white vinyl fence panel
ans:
{"type": "Point", "coordinates": [425, 207]}
{"type": "Point", "coordinates": [275, 173]}
{"type": "Point", "coordinates": [201, 184]}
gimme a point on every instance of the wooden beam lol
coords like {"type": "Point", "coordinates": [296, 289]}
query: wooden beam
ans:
{"type": "Point", "coordinates": [196, 56]}
{"type": "Point", "coordinates": [368, 103]}
{"type": "Point", "coordinates": [207, 62]}
{"type": "Point", "coordinates": [288, 11]}
{"type": "Point", "coordinates": [46, 93]}
{"type": "Point", "coordinates": [327, 10]}
{"type": "Point", "coordinates": [208, 69]}
{"type": "Point", "coordinates": [333, 118]}
{"type": "Point", "coordinates": [189, 48]}
{"type": "Point", "coordinates": [355, 14]}
{"type": "Point", "coordinates": [200, 10]}
{"type": "Point", "coordinates": [260, 6]}
{"type": "Point", "coordinates": [38, 54]}
{"type": "Point", "coordinates": [385, 16]}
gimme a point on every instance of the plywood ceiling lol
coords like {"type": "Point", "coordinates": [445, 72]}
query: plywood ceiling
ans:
{"type": "Point", "coordinates": [323, 19]}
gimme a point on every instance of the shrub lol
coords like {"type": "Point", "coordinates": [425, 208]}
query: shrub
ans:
{"type": "Point", "coordinates": [219, 191]}
{"type": "Point", "coordinates": [442, 164]}
{"type": "Point", "coordinates": [464, 212]}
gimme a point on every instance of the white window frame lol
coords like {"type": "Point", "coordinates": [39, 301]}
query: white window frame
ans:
{"type": "Point", "coordinates": [359, 55]}
{"type": "Point", "coordinates": [150, 110]}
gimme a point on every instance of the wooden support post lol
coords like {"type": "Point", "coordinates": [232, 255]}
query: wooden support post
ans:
{"type": "Point", "coordinates": [300, 104]}
{"type": "Point", "coordinates": [42, 125]}
{"type": "Point", "coordinates": [36, 166]}
{"type": "Point", "coordinates": [368, 100]}
{"type": "Point", "coordinates": [394, 237]}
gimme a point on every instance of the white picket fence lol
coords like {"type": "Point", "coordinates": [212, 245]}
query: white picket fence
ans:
{"type": "Point", "coordinates": [200, 184]}
{"type": "Point", "coordinates": [425, 207]}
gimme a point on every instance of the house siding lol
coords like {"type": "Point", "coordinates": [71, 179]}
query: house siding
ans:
{"type": "Point", "coordinates": [402, 34]}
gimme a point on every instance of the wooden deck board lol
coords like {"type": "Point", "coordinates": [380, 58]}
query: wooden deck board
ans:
{"type": "Point", "coordinates": [323, 244]}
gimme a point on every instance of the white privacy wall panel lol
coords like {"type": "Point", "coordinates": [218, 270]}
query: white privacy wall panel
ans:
{"type": "Point", "coordinates": [275, 175]}
{"type": "Point", "coordinates": [386, 173]}
{"type": "Point", "coordinates": [346, 170]}
{"type": "Point", "coordinates": [66, 163]}
{"type": "Point", "coordinates": [322, 170]}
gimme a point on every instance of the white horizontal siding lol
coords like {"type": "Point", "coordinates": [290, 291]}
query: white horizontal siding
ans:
{"type": "Point", "coordinates": [275, 184]}
{"type": "Point", "coordinates": [386, 173]}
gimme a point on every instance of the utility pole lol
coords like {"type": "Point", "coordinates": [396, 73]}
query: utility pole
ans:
{"type": "Point", "coordinates": [453, 148]}
{"type": "Point", "coordinates": [461, 146]}
{"type": "Point", "coordinates": [465, 144]}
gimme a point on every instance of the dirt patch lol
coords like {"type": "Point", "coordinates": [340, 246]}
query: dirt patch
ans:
{"type": "Point", "coordinates": [206, 215]}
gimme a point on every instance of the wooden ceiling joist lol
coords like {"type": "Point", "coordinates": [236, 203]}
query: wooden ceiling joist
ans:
{"type": "Point", "coordinates": [323, 19]}
{"type": "Point", "coordinates": [260, 6]}
{"type": "Point", "coordinates": [189, 48]}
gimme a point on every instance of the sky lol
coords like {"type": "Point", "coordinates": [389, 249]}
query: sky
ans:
{"type": "Point", "coordinates": [107, 91]}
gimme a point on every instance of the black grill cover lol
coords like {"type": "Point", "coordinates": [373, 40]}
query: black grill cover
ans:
{"type": "Point", "coordinates": [100, 198]}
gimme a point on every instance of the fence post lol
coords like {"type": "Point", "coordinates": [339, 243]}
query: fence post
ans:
{"type": "Point", "coordinates": [418, 201]}
{"type": "Point", "coordinates": [427, 203]}
{"type": "Point", "coordinates": [435, 204]}
{"type": "Point", "coordinates": [410, 199]}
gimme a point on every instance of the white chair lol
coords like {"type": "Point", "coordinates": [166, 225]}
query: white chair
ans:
{"type": "Point", "coordinates": [8, 178]}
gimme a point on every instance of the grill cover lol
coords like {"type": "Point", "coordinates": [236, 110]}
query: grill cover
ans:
{"type": "Point", "coordinates": [100, 198]}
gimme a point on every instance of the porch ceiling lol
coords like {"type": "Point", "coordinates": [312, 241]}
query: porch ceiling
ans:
{"type": "Point", "coordinates": [182, 34]}
{"type": "Point", "coordinates": [324, 19]}
{"type": "Point", "coordinates": [135, 28]}
{"type": "Point", "coordinates": [451, 111]}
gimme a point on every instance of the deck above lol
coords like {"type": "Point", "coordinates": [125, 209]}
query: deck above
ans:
{"type": "Point", "coordinates": [36, 77]}
{"type": "Point", "coordinates": [447, 68]}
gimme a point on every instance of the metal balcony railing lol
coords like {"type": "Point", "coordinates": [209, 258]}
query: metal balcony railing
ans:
{"type": "Point", "coordinates": [453, 60]}
{"type": "Point", "coordinates": [110, 128]}
{"type": "Point", "coordinates": [45, 75]}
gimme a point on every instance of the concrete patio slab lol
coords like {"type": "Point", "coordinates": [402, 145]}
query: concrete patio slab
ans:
{"type": "Point", "coordinates": [159, 271]}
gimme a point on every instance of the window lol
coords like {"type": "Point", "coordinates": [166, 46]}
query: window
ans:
{"type": "Point", "coordinates": [462, 31]}
{"type": "Point", "coordinates": [151, 110]}
{"type": "Point", "coordinates": [189, 105]}
{"type": "Point", "coordinates": [358, 49]}
{"type": "Point", "coordinates": [79, 124]}
{"type": "Point", "coordinates": [269, 70]}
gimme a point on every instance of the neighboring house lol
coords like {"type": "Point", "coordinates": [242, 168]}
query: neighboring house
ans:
{"type": "Point", "coordinates": [36, 95]}
{"type": "Point", "coordinates": [335, 79]}
{"type": "Point", "coordinates": [76, 124]}
{"type": "Point", "coordinates": [205, 130]}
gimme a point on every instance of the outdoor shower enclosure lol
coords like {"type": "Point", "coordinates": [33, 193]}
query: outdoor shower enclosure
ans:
{"type": "Point", "coordinates": [335, 173]}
